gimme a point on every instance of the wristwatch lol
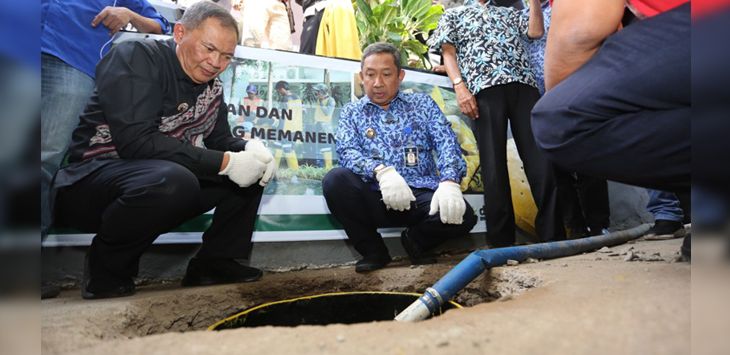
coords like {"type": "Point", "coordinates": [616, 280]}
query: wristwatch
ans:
{"type": "Point", "coordinates": [457, 81]}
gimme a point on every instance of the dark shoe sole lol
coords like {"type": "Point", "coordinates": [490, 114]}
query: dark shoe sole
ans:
{"type": "Point", "coordinates": [121, 291]}
{"type": "Point", "coordinates": [679, 233]}
{"type": "Point", "coordinates": [373, 264]}
{"type": "Point", "coordinates": [49, 291]}
{"type": "Point", "coordinates": [209, 281]}
{"type": "Point", "coordinates": [369, 267]}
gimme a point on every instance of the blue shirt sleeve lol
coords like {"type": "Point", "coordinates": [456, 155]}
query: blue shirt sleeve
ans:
{"type": "Point", "coordinates": [349, 148]}
{"type": "Point", "coordinates": [142, 7]}
{"type": "Point", "coordinates": [449, 161]}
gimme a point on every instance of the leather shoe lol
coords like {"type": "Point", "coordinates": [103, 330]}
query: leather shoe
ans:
{"type": "Point", "coordinates": [214, 271]}
{"type": "Point", "coordinates": [417, 256]}
{"type": "Point", "coordinates": [372, 262]}
{"type": "Point", "coordinates": [94, 289]}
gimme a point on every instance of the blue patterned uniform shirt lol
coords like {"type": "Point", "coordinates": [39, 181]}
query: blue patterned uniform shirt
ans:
{"type": "Point", "coordinates": [368, 136]}
{"type": "Point", "coordinates": [536, 49]}
{"type": "Point", "coordinates": [489, 44]}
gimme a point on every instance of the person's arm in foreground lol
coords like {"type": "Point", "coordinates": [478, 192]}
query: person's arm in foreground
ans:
{"type": "Point", "coordinates": [577, 30]}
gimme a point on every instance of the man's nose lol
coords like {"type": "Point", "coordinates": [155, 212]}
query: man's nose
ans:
{"type": "Point", "coordinates": [216, 60]}
{"type": "Point", "coordinates": [378, 81]}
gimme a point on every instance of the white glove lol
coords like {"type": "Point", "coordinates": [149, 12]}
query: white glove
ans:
{"type": "Point", "coordinates": [449, 200]}
{"type": "Point", "coordinates": [255, 145]}
{"type": "Point", "coordinates": [396, 193]}
{"type": "Point", "coordinates": [245, 168]}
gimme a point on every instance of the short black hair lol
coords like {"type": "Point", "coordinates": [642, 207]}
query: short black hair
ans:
{"type": "Point", "coordinates": [202, 10]}
{"type": "Point", "coordinates": [382, 47]}
{"type": "Point", "coordinates": [281, 84]}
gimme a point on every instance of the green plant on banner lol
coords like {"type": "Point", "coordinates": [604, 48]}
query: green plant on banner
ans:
{"type": "Point", "coordinates": [398, 22]}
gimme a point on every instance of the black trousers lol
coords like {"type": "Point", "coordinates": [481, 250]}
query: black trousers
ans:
{"type": "Point", "coordinates": [358, 206]}
{"type": "Point", "coordinates": [310, 30]}
{"type": "Point", "coordinates": [129, 203]}
{"type": "Point", "coordinates": [625, 114]}
{"type": "Point", "coordinates": [583, 201]}
{"type": "Point", "coordinates": [498, 105]}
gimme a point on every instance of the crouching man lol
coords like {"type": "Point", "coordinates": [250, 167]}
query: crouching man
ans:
{"type": "Point", "coordinates": [153, 149]}
{"type": "Point", "coordinates": [386, 143]}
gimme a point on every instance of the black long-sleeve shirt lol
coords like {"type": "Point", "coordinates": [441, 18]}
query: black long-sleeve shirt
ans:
{"type": "Point", "coordinates": [146, 107]}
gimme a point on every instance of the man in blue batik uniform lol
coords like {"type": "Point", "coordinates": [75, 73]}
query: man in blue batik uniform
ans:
{"type": "Point", "coordinates": [386, 143]}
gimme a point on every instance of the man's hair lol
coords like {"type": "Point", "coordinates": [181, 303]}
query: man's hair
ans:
{"type": "Point", "coordinates": [282, 84]}
{"type": "Point", "coordinates": [381, 47]}
{"type": "Point", "coordinates": [202, 10]}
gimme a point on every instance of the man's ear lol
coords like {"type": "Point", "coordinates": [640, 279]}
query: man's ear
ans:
{"type": "Point", "coordinates": [177, 32]}
{"type": "Point", "coordinates": [401, 75]}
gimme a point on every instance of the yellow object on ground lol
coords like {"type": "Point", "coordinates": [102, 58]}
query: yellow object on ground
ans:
{"type": "Point", "coordinates": [337, 35]}
{"type": "Point", "coordinates": [522, 201]}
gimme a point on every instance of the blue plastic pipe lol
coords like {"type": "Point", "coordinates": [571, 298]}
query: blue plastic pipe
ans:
{"type": "Point", "coordinates": [475, 263]}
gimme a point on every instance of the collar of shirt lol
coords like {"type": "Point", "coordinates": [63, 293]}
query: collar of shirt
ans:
{"type": "Point", "coordinates": [399, 98]}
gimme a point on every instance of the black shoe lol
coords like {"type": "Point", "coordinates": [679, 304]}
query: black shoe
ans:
{"type": "Point", "coordinates": [665, 229]}
{"type": "Point", "coordinates": [89, 292]}
{"type": "Point", "coordinates": [49, 291]}
{"type": "Point", "coordinates": [372, 262]}
{"type": "Point", "coordinates": [417, 256]}
{"type": "Point", "coordinates": [214, 271]}
{"type": "Point", "coordinates": [578, 232]}
{"type": "Point", "coordinates": [94, 289]}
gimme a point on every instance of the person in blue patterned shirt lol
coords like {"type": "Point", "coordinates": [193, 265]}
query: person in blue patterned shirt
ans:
{"type": "Point", "coordinates": [484, 56]}
{"type": "Point", "coordinates": [401, 166]}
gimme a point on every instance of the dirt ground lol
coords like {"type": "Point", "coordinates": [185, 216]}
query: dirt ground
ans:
{"type": "Point", "coordinates": [595, 303]}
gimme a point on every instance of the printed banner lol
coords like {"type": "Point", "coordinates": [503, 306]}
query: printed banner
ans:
{"type": "Point", "coordinates": [292, 102]}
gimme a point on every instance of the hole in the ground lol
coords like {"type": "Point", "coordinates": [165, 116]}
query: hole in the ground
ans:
{"type": "Point", "coordinates": [198, 308]}
{"type": "Point", "coordinates": [158, 309]}
{"type": "Point", "coordinates": [330, 308]}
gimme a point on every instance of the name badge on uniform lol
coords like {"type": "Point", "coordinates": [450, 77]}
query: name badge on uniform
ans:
{"type": "Point", "coordinates": [411, 156]}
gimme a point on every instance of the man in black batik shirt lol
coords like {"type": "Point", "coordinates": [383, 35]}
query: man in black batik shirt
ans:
{"type": "Point", "coordinates": [153, 149]}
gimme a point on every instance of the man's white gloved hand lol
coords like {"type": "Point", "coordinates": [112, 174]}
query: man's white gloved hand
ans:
{"type": "Point", "coordinates": [256, 145]}
{"type": "Point", "coordinates": [396, 193]}
{"type": "Point", "coordinates": [449, 200]}
{"type": "Point", "coordinates": [245, 168]}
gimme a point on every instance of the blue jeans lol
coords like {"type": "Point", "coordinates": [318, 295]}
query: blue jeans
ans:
{"type": "Point", "coordinates": [664, 205]}
{"type": "Point", "coordinates": [64, 94]}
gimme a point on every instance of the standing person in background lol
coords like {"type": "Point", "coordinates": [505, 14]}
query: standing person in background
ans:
{"type": "Point", "coordinates": [487, 63]}
{"type": "Point", "coordinates": [313, 10]}
{"type": "Point", "coordinates": [75, 34]}
{"type": "Point", "coordinates": [265, 24]}
{"type": "Point", "coordinates": [338, 34]}
{"type": "Point", "coordinates": [401, 166]}
{"type": "Point", "coordinates": [583, 199]}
